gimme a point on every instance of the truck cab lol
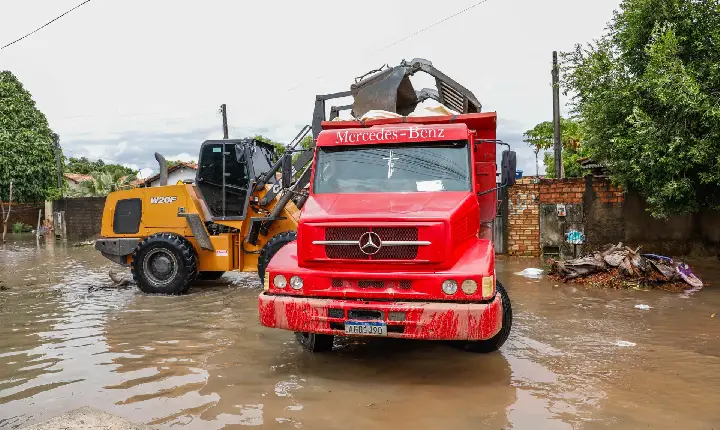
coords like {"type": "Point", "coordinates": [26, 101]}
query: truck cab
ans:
{"type": "Point", "coordinates": [395, 238]}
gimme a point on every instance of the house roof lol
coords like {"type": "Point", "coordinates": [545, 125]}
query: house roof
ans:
{"type": "Point", "coordinates": [77, 177]}
{"type": "Point", "coordinates": [181, 164]}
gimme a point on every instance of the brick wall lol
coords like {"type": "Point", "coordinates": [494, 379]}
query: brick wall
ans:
{"type": "Point", "coordinates": [523, 218]}
{"type": "Point", "coordinates": [602, 202]}
{"type": "Point", "coordinates": [568, 191]}
{"type": "Point", "coordinates": [83, 216]}
{"type": "Point", "coordinates": [24, 212]}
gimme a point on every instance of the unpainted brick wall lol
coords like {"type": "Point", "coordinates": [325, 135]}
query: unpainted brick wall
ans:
{"type": "Point", "coordinates": [24, 212]}
{"type": "Point", "coordinates": [528, 193]}
{"type": "Point", "coordinates": [524, 218]}
{"type": "Point", "coordinates": [83, 216]}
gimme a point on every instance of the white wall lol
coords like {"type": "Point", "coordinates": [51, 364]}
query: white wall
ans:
{"type": "Point", "coordinates": [177, 175]}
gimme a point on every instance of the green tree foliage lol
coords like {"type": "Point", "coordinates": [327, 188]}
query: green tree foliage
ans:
{"type": "Point", "coordinates": [541, 138]}
{"type": "Point", "coordinates": [648, 92]}
{"type": "Point", "coordinates": [84, 166]}
{"type": "Point", "coordinates": [26, 152]}
{"type": "Point", "coordinates": [102, 183]}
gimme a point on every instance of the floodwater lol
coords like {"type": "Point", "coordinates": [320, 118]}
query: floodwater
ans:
{"type": "Point", "coordinates": [577, 358]}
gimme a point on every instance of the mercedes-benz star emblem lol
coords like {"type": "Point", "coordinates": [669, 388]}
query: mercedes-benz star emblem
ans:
{"type": "Point", "coordinates": [370, 243]}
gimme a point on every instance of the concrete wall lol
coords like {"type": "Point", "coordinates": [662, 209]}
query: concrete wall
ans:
{"type": "Point", "coordinates": [83, 216]}
{"type": "Point", "coordinates": [604, 214]}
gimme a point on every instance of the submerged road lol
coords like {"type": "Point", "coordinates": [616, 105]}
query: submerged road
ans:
{"type": "Point", "coordinates": [577, 358]}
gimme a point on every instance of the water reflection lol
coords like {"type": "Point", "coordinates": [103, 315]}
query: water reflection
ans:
{"type": "Point", "coordinates": [203, 361]}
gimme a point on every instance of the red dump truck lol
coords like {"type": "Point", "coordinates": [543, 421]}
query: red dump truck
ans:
{"type": "Point", "coordinates": [395, 236]}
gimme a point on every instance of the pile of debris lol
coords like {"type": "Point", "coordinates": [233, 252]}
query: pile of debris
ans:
{"type": "Point", "coordinates": [622, 267]}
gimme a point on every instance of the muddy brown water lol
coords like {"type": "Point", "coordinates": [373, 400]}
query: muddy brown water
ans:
{"type": "Point", "coordinates": [577, 357]}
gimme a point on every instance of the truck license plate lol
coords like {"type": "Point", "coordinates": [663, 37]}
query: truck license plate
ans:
{"type": "Point", "coordinates": [366, 328]}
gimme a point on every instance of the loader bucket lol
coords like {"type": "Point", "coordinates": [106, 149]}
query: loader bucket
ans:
{"type": "Point", "coordinates": [389, 90]}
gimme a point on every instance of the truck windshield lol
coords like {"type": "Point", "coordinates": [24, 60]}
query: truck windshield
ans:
{"type": "Point", "coordinates": [412, 167]}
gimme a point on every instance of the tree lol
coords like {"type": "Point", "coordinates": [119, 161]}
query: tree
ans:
{"type": "Point", "coordinates": [541, 138]}
{"type": "Point", "coordinates": [27, 157]}
{"type": "Point", "coordinates": [102, 184]}
{"type": "Point", "coordinates": [84, 166]}
{"type": "Point", "coordinates": [648, 92]}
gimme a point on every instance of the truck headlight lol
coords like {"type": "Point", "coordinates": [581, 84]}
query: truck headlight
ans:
{"type": "Point", "coordinates": [296, 282]}
{"type": "Point", "coordinates": [488, 284]}
{"type": "Point", "coordinates": [449, 287]}
{"type": "Point", "coordinates": [469, 287]}
{"type": "Point", "coordinates": [280, 281]}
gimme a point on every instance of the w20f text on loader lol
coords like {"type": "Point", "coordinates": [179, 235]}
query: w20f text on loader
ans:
{"type": "Point", "coordinates": [383, 228]}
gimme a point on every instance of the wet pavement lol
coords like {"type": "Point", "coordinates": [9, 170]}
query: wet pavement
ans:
{"type": "Point", "coordinates": [577, 358]}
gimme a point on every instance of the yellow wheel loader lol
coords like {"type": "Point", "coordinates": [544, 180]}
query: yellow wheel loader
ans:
{"type": "Point", "coordinates": [233, 216]}
{"type": "Point", "coordinates": [238, 213]}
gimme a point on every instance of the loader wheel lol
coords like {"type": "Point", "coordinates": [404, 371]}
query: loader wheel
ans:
{"type": "Point", "coordinates": [271, 247]}
{"type": "Point", "coordinates": [164, 263]}
{"type": "Point", "coordinates": [209, 276]}
{"type": "Point", "coordinates": [495, 342]}
{"type": "Point", "coordinates": [313, 342]}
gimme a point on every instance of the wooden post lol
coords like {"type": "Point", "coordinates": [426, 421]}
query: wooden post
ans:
{"type": "Point", "coordinates": [37, 232]}
{"type": "Point", "coordinates": [6, 216]}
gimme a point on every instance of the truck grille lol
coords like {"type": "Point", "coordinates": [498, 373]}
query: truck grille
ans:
{"type": "Point", "coordinates": [371, 284]}
{"type": "Point", "coordinates": [353, 252]}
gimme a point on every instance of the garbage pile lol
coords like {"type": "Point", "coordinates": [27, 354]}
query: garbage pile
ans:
{"type": "Point", "coordinates": [622, 267]}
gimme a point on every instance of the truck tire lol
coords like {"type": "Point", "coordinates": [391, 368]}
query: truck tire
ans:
{"type": "Point", "coordinates": [271, 247]}
{"type": "Point", "coordinates": [313, 342]}
{"type": "Point", "coordinates": [495, 342]}
{"type": "Point", "coordinates": [164, 263]}
{"type": "Point", "coordinates": [209, 276]}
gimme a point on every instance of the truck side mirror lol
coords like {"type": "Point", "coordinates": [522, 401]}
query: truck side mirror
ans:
{"type": "Point", "coordinates": [287, 175]}
{"type": "Point", "coordinates": [509, 164]}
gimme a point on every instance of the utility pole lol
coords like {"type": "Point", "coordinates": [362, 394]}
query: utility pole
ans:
{"type": "Point", "coordinates": [223, 111]}
{"type": "Point", "coordinates": [58, 162]}
{"type": "Point", "coordinates": [556, 116]}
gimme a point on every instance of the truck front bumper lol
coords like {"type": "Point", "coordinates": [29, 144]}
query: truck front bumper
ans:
{"type": "Point", "coordinates": [409, 320]}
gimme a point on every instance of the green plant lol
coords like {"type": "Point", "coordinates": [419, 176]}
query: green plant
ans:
{"type": "Point", "coordinates": [26, 145]}
{"type": "Point", "coordinates": [648, 92]}
{"type": "Point", "coordinates": [20, 227]}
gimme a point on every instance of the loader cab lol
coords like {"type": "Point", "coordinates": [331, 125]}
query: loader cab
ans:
{"type": "Point", "coordinates": [226, 170]}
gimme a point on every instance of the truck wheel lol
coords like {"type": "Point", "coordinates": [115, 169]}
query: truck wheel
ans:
{"type": "Point", "coordinates": [209, 276]}
{"type": "Point", "coordinates": [495, 342]}
{"type": "Point", "coordinates": [164, 263]}
{"type": "Point", "coordinates": [315, 342]}
{"type": "Point", "coordinates": [271, 247]}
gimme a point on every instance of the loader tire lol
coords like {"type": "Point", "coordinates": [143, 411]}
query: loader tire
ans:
{"type": "Point", "coordinates": [495, 342]}
{"type": "Point", "coordinates": [271, 247]}
{"type": "Point", "coordinates": [164, 263]}
{"type": "Point", "coordinates": [209, 276]}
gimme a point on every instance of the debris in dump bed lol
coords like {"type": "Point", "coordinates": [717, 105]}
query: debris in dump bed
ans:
{"type": "Point", "coordinates": [623, 267]}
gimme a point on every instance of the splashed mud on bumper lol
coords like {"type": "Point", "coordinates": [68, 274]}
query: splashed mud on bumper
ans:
{"type": "Point", "coordinates": [420, 320]}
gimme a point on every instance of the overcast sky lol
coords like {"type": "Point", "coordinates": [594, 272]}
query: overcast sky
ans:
{"type": "Point", "coordinates": [119, 80]}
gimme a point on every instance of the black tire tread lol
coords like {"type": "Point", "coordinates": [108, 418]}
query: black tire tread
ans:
{"type": "Point", "coordinates": [271, 247]}
{"type": "Point", "coordinates": [315, 343]}
{"type": "Point", "coordinates": [495, 342]}
{"type": "Point", "coordinates": [186, 249]}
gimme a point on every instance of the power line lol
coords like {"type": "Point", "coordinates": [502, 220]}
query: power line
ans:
{"type": "Point", "coordinates": [46, 24]}
{"type": "Point", "coordinates": [409, 36]}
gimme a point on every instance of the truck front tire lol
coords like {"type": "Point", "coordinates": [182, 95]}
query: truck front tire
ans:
{"type": "Point", "coordinates": [313, 342]}
{"type": "Point", "coordinates": [164, 263]}
{"type": "Point", "coordinates": [495, 342]}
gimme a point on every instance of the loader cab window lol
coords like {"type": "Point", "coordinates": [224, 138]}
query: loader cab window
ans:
{"type": "Point", "coordinates": [407, 167]}
{"type": "Point", "coordinates": [236, 177]}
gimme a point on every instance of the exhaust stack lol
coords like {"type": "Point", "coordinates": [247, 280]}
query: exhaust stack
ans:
{"type": "Point", "coordinates": [163, 169]}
